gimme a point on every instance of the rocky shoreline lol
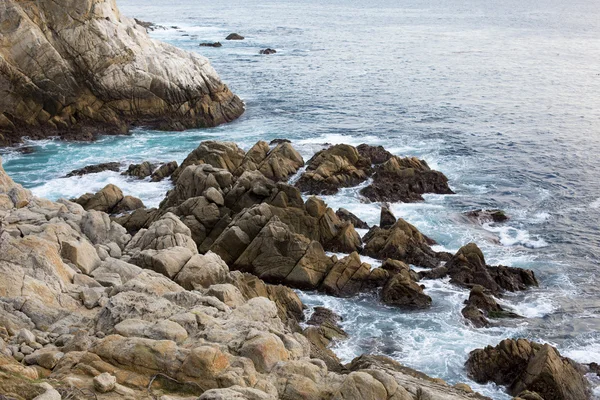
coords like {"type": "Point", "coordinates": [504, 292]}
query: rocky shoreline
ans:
{"type": "Point", "coordinates": [58, 87]}
{"type": "Point", "coordinates": [194, 299]}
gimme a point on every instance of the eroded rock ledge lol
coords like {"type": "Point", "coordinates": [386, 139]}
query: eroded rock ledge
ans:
{"type": "Point", "coordinates": [78, 67]}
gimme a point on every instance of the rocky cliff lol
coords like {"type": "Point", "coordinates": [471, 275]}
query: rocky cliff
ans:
{"type": "Point", "coordinates": [77, 67]}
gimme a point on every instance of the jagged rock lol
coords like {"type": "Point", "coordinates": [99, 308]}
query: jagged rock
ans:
{"type": "Point", "coordinates": [387, 218]}
{"type": "Point", "coordinates": [346, 215]}
{"type": "Point", "coordinates": [322, 330]}
{"type": "Point", "coordinates": [401, 291]}
{"type": "Point", "coordinates": [220, 155]}
{"type": "Point", "coordinates": [234, 36]}
{"type": "Point", "coordinates": [94, 169]}
{"type": "Point", "coordinates": [402, 242]}
{"type": "Point", "coordinates": [484, 216]}
{"type": "Point", "coordinates": [376, 154]}
{"type": "Point", "coordinates": [523, 365]}
{"type": "Point", "coordinates": [334, 168]}
{"type": "Point", "coordinates": [467, 268]}
{"type": "Point", "coordinates": [214, 44]}
{"type": "Point", "coordinates": [140, 171]}
{"type": "Point", "coordinates": [138, 219]}
{"type": "Point", "coordinates": [128, 203]}
{"type": "Point", "coordinates": [164, 171]}
{"type": "Point", "coordinates": [481, 306]}
{"type": "Point", "coordinates": [194, 181]}
{"type": "Point", "coordinates": [164, 233]}
{"type": "Point", "coordinates": [267, 51]}
{"type": "Point", "coordinates": [278, 255]}
{"type": "Point", "coordinates": [164, 261]}
{"type": "Point", "coordinates": [276, 164]}
{"type": "Point", "coordinates": [405, 180]}
{"type": "Point", "coordinates": [11, 194]}
{"type": "Point", "coordinates": [347, 277]}
{"type": "Point", "coordinates": [61, 87]}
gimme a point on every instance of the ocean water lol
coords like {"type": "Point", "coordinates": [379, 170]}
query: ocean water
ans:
{"type": "Point", "coordinates": [503, 97]}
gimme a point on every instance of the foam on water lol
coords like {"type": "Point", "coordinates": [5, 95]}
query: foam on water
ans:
{"type": "Point", "coordinates": [510, 236]}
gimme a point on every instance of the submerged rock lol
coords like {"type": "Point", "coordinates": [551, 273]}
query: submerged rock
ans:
{"type": "Point", "coordinates": [128, 78]}
{"type": "Point", "coordinates": [215, 44]}
{"type": "Point", "coordinates": [481, 306]}
{"type": "Point", "coordinates": [523, 365]}
{"type": "Point", "coordinates": [484, 216]}
{"type": "Point", "coordinates": [267, 51]}
{"type": "Point", "coordinates": [140, 171]}
{"type": "Point", "coordinates": [93, 169]}
{"type": "Point", "coordinates": [234, 36]}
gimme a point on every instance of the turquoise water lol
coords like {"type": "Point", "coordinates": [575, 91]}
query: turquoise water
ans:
{"type": "Point", "coordinates": [500, 96]}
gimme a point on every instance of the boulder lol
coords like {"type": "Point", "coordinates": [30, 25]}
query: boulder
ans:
{"type": "Point", "coordinates": [104, 382]}
{"type": "Point", "coordinates": [127, 204]}
{"type": "Point", "coordinates": [401, 291]}
{"type": "Point", "coordinates": [193, 181]}
{"type": "Point", "coordinates": [105, 200]}
{"type": "Point", "coordinates": [94, 169]}
{"type": "Point", "coordinates": [136, 80]}
{"type": "Point", "coordinates": [347, 216]}
{"type": "Point", "coordinates": [140, 171]}
{"type": "Point", "coordinates": [334, 168]}
{"type": "Point", "coordinates": [405, 180]}
{"type": "Point", "coordinates": [267, 51]}
{"type": "Point", "coordinates": [82, 254]}
{"type": "Point", "coordinates": [202, 271]}
{"type": "Point", "coordinates": [168, 262]}
{"type": "Point", "coordinates": [468, 268]}
{"type": "Point", "coordinates": [387, 218]}
{"type": "Point", "coordinates": [278, 255]}
{"type": "Point", "coordinates": [164, 171]}
{"type": "Point", "coordinates": [375, 154]}
{"type": "Point", "coordinates": [166, 232]}
{"type": "Point", "coordinates": [220, 155]}
{"type": "Point", "coordinates": [522, 365]}
{"type": "Point", "coordinates": [481, 306]}
{"type": "Point", "coordinates": [276, 164]}
{"type": "Point", "coordinates": [347, 277]}
{"type": "Point", "coordinates": [403, 242]}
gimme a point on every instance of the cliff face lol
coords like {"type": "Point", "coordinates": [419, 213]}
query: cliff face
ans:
{"type": "Point", "coordinates": [77, 67]}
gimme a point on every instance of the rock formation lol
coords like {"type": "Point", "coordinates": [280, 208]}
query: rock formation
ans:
{"type": "Point", "coordinates": [528, 366]}
{"type": "Point", "coordinates": [52, 84]}
{"type": "Point", "coordinates": [88, 310]}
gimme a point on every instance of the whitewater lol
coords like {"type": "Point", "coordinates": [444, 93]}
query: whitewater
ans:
{"type": "Point", "coordinates": [501, 98]}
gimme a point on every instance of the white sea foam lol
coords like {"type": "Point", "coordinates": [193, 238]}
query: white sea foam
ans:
{"type": "Point", "coordinates": [151, 193]}
{"type": "Point", "coordinates": [595, 203]}
{"type": "Point", "coordinates": [510, 236]}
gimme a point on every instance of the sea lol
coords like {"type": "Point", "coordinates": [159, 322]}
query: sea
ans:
{"type": "Point", "coordinates": [501, 96]}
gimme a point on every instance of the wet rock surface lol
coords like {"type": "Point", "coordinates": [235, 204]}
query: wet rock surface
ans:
{"type": "Point", "coordinates": [94, 169]}
{"type": "Point", "coordinates": [528, 366]}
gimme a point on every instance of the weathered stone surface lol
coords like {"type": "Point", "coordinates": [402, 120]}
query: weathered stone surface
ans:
{"type": "Point", "coordinates": [265, 350]}
{"type": "Point", "coordinates": [194, 180]}
{"type": "Point", "coordinates": [468, 268]}
{"type": "Point", "coordinates": [164, 171]}
{"type": "Point", "coordinates": [104, 382]}
{"type": "Point", "coordinates": [486, 216]}
{"type": "Point", "coordinates": [481, 306]}
{"type": "Point", "coordinates": [11, 194]}
{"type": "Point", "coordinates": [220, 155]}
{"type": "Point", "coordinates": [333, 168]}
{"type": "Point", "coordinates": [405, 180]}
{"type": "Point", "coordinates": [276, 164]}
{"type": "Point", "coordinates": [347, 216]}
{"type": "Point", "coordinates": [376, 154]}
{"type": "Point", "coordinates": [202, 271]}
{"type": "Point", "coordinates": [234, 36]}
{"type": "Point", "coordinates": [524, 365]}
{"type": "Point", "coordinates": [59, 86]}
{"type": "Point", "coordinates": [105, 200]}
{"type": "Point", "coordinates": [347, 277]}
{"type": "Point", "coordinates": [140, 171]}
{"type": "Point", "coordinates": [402, 242]}
{"type": "Point", "coordinates": [402, 291]}
{"type": "Point", "coordinates": [387, 218]}
{"type": "Point", "coordinates": [82, 254]}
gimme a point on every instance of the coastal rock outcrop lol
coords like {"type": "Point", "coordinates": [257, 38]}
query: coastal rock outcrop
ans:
{"type": "Point", "coordinates": [480, 306]}
{"type": "Point", "coordinates": [52, 84]}
{"type": "Point", "coordinates": [523, 365]}
{"type": "Point", "coordinates": [405, 180]}
{"type": "Point", "coordinates": [91, 309]}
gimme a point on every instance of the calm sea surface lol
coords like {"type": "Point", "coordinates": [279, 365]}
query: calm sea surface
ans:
{"type": "Point", "coordinates": [501, 96]}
